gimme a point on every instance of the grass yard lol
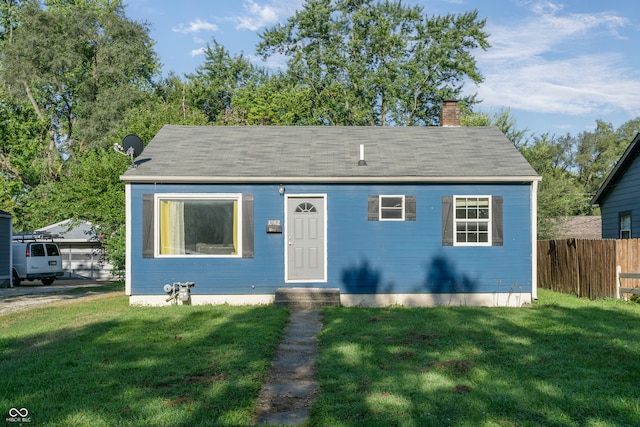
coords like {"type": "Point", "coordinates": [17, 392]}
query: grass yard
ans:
{"type": "Point", "coordinates": [100, 362]}
{"type": "Point", "coordinates": [563, 362]}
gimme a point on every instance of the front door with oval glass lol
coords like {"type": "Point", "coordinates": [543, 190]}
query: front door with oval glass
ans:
{"type": "Point", "coordinates": [305, 239]}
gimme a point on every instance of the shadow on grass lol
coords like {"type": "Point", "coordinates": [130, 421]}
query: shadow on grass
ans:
{"type": "Point", "coordinates": [546, 365]}
{"type": "Point", "coordinates": [174, 366]}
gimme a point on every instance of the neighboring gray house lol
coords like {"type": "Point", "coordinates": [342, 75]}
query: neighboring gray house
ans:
{"type": "Point", "coordinates": [5, 248]}
{"type": "Point", "coordinates": [387, 215]}
{"type": "Point", "coordinates": [619, 196]}
{"type": "Point", "coordinates": [80, 248]}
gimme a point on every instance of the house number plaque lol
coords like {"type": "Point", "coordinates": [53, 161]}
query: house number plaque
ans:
{"type": "Point", "coordinates": [274, 226]}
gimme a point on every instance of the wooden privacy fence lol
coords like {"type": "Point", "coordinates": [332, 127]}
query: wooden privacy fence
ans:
{"type": "Point", "coordinates": [588, 268]}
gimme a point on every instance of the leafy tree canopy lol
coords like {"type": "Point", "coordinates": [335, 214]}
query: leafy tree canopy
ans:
{"type": "Point", "coordinates": [212, 87]}
{"type": "Point", "coordinates": [377, 63]}
{"type": "Point", "coordinates": [81, 64]}
{"type": "Point", "coordinates": [275, 100]}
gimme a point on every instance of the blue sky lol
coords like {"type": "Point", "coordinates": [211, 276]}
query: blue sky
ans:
{"type": "Point", "coordinates": [559, 65]}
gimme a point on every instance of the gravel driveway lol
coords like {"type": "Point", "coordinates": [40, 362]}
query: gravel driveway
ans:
{"type": "Point", "coordinates": [34, 293]}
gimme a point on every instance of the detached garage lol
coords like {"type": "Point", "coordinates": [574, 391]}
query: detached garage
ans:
{"type": "Point", "coordinates": [80, 248]}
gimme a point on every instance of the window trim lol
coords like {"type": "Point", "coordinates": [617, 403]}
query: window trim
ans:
{"type": "Point", "coordinates": [620, 229]}
{"type": "Point", "coordinates": [403, 208]}
{"type": "Point", "coordinates": [158, 197]}
{"type": "Point", "coordinates": [488, 221]}
{"type": "Point", "coordinates": [410, 208]}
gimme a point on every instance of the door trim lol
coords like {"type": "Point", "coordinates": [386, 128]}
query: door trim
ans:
{"type": "Point", "coordinates": [287, 198]}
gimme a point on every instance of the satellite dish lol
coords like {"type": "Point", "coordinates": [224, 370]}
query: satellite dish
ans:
{"type": "Point", "coordinates": [133, 143]}
{"type": "Point", "coordinates": [132, 147]}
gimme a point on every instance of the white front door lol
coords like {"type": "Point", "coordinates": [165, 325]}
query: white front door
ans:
{"type": "Point", "coordinates": [305, 238]}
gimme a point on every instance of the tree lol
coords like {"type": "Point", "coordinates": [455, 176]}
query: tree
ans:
{"type": "Point", "coordinates": [168, 104]}
{"type": "Point", "coordinates": [597, 152]}
{"type": "Point", "coordinates": [274, 100]}
{"type": "Point", "coordinates": [212, 87]}
{"type": "Point", "coordinates": [377, 63]}
{"type": "Point", "coordinates": [89, 187]}
{"type": "Point", "coordinates": [9, 17]}
{"type": "Point", "coordinates": [81, 64]}
{"type": "Point", "coordinates": [22, 158]}
{"type": "Point", "coordinates": [559, 193]}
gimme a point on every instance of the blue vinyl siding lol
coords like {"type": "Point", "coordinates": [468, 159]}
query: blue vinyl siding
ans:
{"type": "Point", "coordinates": [362, 256]}
{"type": "Point", "coordinates": [624, 196]}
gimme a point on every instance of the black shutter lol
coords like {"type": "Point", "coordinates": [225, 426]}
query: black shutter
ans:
{"type": "Point", "coordinates": [247, 226]}
{"type": "Point", "coordinates": [496, 221]}
{"type": "Point", "coordinates": [147, 226]}
{"type": "Point", "coordinates": [373, 208]}
{"type": "Point", "coordinates": [410, 208]}
{"type": "Point", "coordinates": [447, 220]}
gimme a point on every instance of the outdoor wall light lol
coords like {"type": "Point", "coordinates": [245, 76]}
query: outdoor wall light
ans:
{"type": "Point", "coordinates": [281, 189]}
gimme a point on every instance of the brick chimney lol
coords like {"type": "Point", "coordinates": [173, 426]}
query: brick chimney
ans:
{"type": "Point", "coordinates": [450, 114]}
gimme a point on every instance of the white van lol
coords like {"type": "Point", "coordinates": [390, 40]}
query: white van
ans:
{"type": "Point", "coordinates": [36, 260]}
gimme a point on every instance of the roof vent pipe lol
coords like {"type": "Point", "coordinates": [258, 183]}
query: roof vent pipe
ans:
{"type": "Point", "coordinates": [361, 162]}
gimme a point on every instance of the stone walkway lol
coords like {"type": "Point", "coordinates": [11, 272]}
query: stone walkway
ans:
{"type": "Point", "coordinates": [291, 388]}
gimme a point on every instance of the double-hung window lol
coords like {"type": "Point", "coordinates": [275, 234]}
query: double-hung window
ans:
{"type": "Point", "coordinates": [197, 225]}
{"type": "Point", "coordinates": [472, 220]}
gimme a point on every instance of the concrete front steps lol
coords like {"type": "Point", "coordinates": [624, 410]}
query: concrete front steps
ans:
{"type": "Point", "coordinates": [307, 298]}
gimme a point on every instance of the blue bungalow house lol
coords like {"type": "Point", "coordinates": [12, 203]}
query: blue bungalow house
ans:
{"type": "Point", "coordinates": [416, 216]}
{"type": "Point", "coordinates": [619, 196]}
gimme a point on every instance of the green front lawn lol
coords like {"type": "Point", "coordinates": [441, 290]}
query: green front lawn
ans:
{"type": "Point", "coordinates": [563, 362]}
{"type": "Point", "coordinates": [103, 363]}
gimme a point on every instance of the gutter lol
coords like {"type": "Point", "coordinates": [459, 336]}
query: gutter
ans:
{"type": "Point", "coordinates": [169, 179]}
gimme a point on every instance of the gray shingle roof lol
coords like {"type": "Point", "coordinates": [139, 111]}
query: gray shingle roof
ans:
{"type": "Point", "coordinates": [82, 232]}
{"type": "Point", "coordinates": [318, 153]}
{"type": "Point", "coordinates": [627, 159]}
{"type": "Point", "coordinates": [579, 227]}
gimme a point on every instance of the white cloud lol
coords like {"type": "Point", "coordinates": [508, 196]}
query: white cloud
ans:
{"type": "Point", "coordinates": [257, 16]}
{"type": "Point", "coordinates": [583, 85]}
{"type": "Point", "coordinates": [195, 27]}
{"type": "Point", "coordinates": [199, 51]}
{"type": "Point", "coordinates": [544, 33]}
{"type": "Point", "coordinates": [552, 62]}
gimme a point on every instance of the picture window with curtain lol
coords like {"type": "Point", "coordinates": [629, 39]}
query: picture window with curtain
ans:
{"type": "Point", "coordinates": [199, 225]}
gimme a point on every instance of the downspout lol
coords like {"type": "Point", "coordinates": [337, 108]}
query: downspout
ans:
{"type": "Point", "coordinates": [11, 252]}
{"type": "Point", "coordinates": [127, 268]}
{"type": "Point", "coordinates": [534, 240]}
